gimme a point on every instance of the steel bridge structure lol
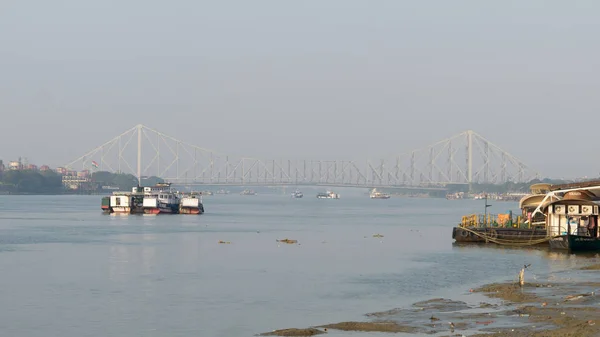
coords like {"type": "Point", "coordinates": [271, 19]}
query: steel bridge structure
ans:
{"type": "Point", "coordinates": [462, 159]}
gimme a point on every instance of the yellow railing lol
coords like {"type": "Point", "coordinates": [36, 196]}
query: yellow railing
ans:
{"type": "Point", "coordinates": [493, 220]}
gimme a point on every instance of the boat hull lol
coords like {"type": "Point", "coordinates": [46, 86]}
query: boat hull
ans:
{"type": "Point", "coordinates": [160, 210]}
{"type": "Point", "coordinates": [459, 234]}
{"type": "Point", "coordinates": [575, 243]}
{"type": "Point", "coordinates": [121, 209]}
{"type": "Point", "coordinates": [191, 210]}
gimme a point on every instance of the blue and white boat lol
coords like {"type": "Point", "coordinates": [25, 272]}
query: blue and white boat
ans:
{"type": "Point", "coordinates": [160, 199]}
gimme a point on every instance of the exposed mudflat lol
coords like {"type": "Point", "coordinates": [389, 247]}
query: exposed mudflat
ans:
{"type": "Point", "coordinates": [371, 326]}
{"type": "Point", "coordinates": [591, 267]}
{"type": "Point", "coordinates": [294, 332]}
{"type": "Point", "coordinates": [570, 308]}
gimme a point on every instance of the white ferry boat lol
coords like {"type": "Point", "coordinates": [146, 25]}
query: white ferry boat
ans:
{"type": "Point", "coordinates": [378, 195]}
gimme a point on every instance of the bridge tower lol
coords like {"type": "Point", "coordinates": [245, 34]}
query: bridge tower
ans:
{"type": "Point", "coordinates": [470, 159]}
{"type": "Point", "coordinates": [139, 153]}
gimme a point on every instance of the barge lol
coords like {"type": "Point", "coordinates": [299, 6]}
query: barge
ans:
{"type": "Point", "coordinates": [506, 229]}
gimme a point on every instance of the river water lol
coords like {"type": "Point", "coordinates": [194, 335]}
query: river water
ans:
{"type": "Point", "coordinates": [68, 270]}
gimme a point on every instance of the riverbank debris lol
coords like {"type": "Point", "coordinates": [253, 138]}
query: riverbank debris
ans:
{"type": "Point", "coordinates": [377, 235]}
{"type": "Point", "coordinates": [288, 241]}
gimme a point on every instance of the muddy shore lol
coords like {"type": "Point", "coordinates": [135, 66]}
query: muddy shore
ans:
{"type": "Point", "coordinates": [537, 309]}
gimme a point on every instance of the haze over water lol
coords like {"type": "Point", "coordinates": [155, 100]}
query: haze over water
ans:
{"type": "Point", "coordinates": [69, 270]}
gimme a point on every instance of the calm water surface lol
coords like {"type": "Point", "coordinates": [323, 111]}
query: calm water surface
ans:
{"type": "Point", "coordinates": [68, 270]}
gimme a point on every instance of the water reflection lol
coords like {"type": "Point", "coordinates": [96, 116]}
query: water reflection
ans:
{"type": "Point", "coordinates": [190, 250]}
{"type": "Point", "coordinates": [118, 259]}
{"type": "Point", "coordinates": [499, 248]}
{"type": "Point", "coordinates": [136, 255]}
{"type": "Point", "coordinates": [555, 261]}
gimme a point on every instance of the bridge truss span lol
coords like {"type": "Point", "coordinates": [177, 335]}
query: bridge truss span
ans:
{"type": "Point", "coordinates": [465, 158]}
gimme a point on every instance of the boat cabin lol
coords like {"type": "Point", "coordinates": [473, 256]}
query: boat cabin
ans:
{"type": "Point", "coordinates": [575, 214]}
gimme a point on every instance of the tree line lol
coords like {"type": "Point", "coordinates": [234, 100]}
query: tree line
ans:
{"type": "Point", "coordinates": [50, 182]}
{"type": "Point", "coordinates": [26, 181]}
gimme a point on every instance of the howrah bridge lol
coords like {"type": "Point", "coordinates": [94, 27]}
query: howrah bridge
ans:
{"type": "Point", "coordinates": [464, 158]}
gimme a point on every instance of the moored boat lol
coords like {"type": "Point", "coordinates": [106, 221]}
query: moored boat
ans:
{"type": "Point", "coordinates": [160, 199]}
{"type": "Point", "coordinates": [191, 204]}
{"type": "Point", "coordinates": [506, 229]}
{"type": "Point", "coordinates": [105, 206]}
{"type": "Point", "coordinates": [161, 203]}
{"type": "Point", "coordinates": [124, 203]}
{"type": "Point", "coordinates": [297, 194]}
{"type": "Point", "coordinates": [573, 223]}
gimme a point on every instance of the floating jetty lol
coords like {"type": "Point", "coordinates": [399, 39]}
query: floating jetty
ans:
{"type": "Point", "coordinates": [564, 217]}
{"type": "Point", "coordinates": [158, 199]}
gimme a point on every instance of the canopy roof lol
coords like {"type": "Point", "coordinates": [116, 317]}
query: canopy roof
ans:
{"type": "Point", "coordinates": [587, 191]}
{"type": "Point", "coordinates": [532, 201]}
{"type": "Point", "coordinates": [591, 188]}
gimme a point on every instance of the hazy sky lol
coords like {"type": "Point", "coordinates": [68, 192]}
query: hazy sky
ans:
{"type": "Point", "coordinates": [307, 79]}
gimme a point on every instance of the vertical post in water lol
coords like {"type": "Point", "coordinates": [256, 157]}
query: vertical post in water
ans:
{"type": "Point", "coordinates": [139, 155]}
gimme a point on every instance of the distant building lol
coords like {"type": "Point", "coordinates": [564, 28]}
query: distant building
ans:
{"type": "Point", "coordinates": [15, 166]}
{"type": "Point", "coordinates": [61, 171]}
{"type": "Point", "coordinates": [73, 182]}
{"type": "Point", "coordinates": [31, 167]}
{"type": "Point", "coordinates": [44, 168]}
{"type": "Point", "coordinates": [83, 174]}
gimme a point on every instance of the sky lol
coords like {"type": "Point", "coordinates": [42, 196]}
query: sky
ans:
{"type": "Point", "coordinates": [303, 79]}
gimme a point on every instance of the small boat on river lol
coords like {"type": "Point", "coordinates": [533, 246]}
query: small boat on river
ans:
{"type": "Point", "coordinates": [328, 195]}
{"type": "Point", "coordinates": [378, 195]}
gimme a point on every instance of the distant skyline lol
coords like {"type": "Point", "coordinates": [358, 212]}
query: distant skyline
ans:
{"type": "Point", "coordinates": [271, 79]}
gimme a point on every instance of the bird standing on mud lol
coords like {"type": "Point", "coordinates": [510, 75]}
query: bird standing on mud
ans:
{"type": "Point", "coordinates": [522, 275]}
